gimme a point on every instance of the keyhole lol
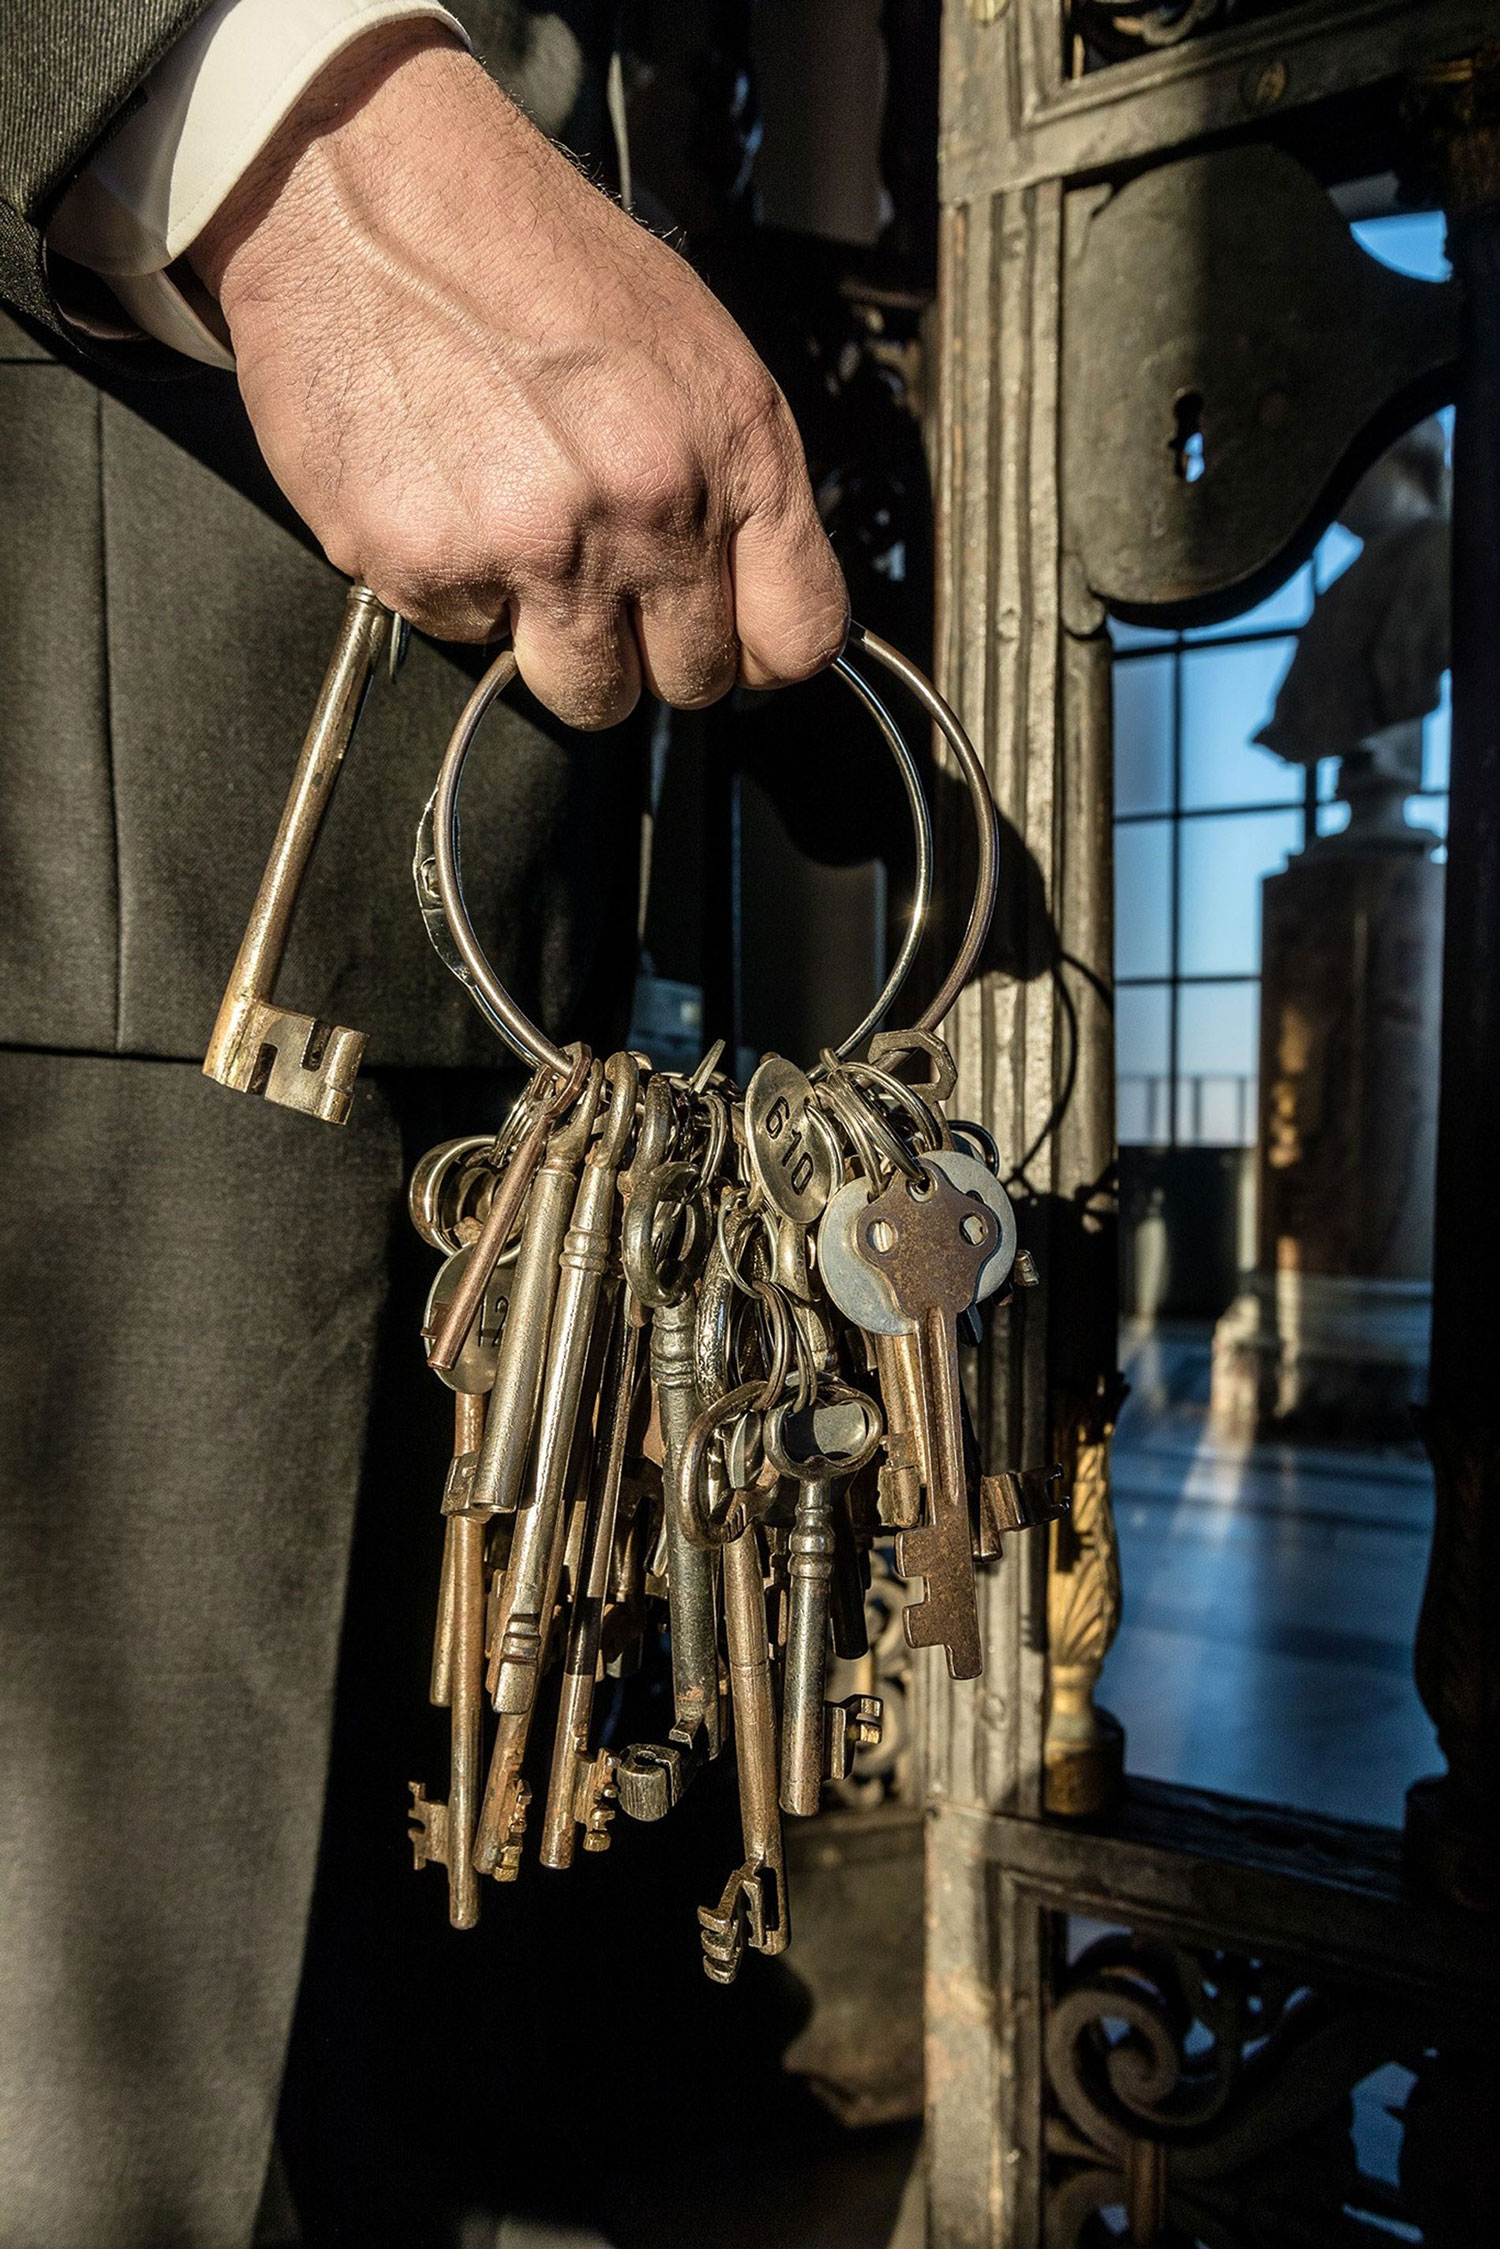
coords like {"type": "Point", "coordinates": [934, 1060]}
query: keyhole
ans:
{"type": "Point", "coordinates": [882, 1236]}
{"type": "Point", "coordinates": [975, 1230]}
{"type": "Point", "coordinates": [1186, 445]}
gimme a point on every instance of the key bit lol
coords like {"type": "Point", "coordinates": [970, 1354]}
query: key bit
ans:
{"type": "Point", "coordinates": [429, 1830]}
{"type": "Point", "coordinates": [1018, 1499]}
{"type": "Point", "coordinates": [595, 1799]}
{"type": "Point", "coordinates": [653, 1776]}
{"type": "Point", "coordinates": [508, 1860]}
{"type": "Point", "coordinates": [849, 1726]}
{"type": "Point", "coordinates": [743, 1916]}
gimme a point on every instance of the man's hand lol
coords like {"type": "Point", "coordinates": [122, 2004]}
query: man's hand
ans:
{"type": "Point", "coordinates": [491, 394]}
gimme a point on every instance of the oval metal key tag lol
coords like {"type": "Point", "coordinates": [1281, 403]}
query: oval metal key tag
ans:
{"type": "Point", "coordinates": [473, 1371]}
{"type": "Point", "coordinates": [790, 1151]}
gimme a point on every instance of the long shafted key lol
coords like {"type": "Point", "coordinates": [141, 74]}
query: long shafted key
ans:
{"type": "Point", "coordinates": [581, 1789]}
{"type": "Point", "coordinates": [584, 1262]}
{"type": "Point", "coordinates": [533, 1290]}
{"type": "Point", "coordinates": [444, 1833]}
{"type": "Point", "coordinates": [691, 1593]}
{"type": "Point", "coordinates": [753, 1908]}
{"type": "Point", "coordinates": [258, 1047]}
{"type": "Point", "coordinates": [931, 1247]}
{"type": "Point", "coordinates": [550, 1099]}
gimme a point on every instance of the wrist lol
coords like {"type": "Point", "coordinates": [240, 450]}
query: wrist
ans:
{"type": "Point", "coordinates": [246, 244]}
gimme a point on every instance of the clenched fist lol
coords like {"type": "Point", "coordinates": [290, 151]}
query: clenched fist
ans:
{"type": "Point", "coordinates": [496, 398]}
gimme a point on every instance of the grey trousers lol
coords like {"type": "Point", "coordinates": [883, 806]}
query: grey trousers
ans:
{"type": "Point", "coordinates": [190, 1290]}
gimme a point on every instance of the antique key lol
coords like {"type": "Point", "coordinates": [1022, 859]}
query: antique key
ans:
{"type": "Point", "coordinates": [667, 1287]}
{"type": "Point", "coordinates": [581, 1789]}
{"type": "Point", "coordinates": [258, 1047]}
{"type": "Point", "coordinates": [472, 1375]}
{"type": "Point", "coordinates": [518, 1379]}
{"type": "Point", "coordinates": [584, 1261]}
{"type": "Point", "coordinates": [444, 1833]}
{"type": "Point", "coordinates": [753, 1908]}
{"type": "Point", "coordinates": [815, 1447]}
{"type": "Point", "coordinates": [932, 1247]}
{"type": "Point", "coordinates": [541, 1527]}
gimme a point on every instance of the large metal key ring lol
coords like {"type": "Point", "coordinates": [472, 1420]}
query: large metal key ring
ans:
{"type": "Point", "coordinates": [445, 911]}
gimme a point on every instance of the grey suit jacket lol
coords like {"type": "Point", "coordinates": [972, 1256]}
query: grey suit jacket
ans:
{"type": "Point", "coordinates": [164, 624]}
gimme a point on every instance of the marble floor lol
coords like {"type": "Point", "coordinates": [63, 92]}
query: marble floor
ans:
{"type": "Point", "coordinates": [1271, 1596]}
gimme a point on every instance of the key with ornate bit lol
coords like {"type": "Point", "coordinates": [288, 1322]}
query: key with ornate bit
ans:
{"type": "Point", "coordinates": [931, 1247]}
{"type": "Point", "coordinates": [258, 1047]}
{"type": "Point", "coordinates": [444, 1833]}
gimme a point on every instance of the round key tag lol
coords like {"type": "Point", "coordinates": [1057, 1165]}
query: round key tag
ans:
{"type": "Point", "coordinates": [473, 1371]}
{"type": "Point", "coordinates": [790, 1152]}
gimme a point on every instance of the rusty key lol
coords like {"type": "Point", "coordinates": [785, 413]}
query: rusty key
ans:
{"type": "Point", "coordinates": [932, 1243]}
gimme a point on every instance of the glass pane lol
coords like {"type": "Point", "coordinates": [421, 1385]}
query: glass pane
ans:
{"type": "Point", "coordinates": [1216, 1111]}
{"type": "Point", "coordinates": [1143, 734]}
{"type": "Point", "coordinates": [1143, 899]}
{"type": "Point", "coordinates": [1333, 818]}
{"type": "Point", "coordinates": [1328, 778]}
{"type": "Point", "coordinates": [1227, 695]}
{"type": "Point", "coordinates": [1138, 636]}
{"type": "Point", "coordinates": [1222, 862]}
{"type": "Point", "coordinates": [1410, 242]}
{"type": "Point", "coordinates": [1428, 812]}
{"type": "Point", "coordinates": [1218, 1026]}
{"type": "Point", "coordinates": [1437, 729]}
{"type": "Point", "coordinates": [1141, 1020]}
{"type": "Point", "coordinates": [1290, 604]}
{"type": "Point", "coordinates": [1141, 1112]}
{"type": "Point", "coordinates": [1333, 555]}
{"type": "Point", "coordinates": [1142, 1053]}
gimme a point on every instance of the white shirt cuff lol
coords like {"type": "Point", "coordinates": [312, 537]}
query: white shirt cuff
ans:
{"type": "Point", "coordinates": [208, 109]}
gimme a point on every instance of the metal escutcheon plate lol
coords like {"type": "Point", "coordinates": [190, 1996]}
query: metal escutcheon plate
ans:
{"type": "Point", "coordinates": [473, 1371]}
{"type": "Point", "coordinates": [790, 1151]}
{"type": "Point", "coordinates": [863, 1295]}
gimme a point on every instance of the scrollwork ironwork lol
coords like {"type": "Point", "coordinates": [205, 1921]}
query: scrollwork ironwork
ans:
{"type": "Point", "coordinates": [1209, 2097]}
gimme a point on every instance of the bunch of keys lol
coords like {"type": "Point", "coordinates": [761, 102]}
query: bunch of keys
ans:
{"type": "Point", "coordinates": [703, 1346]}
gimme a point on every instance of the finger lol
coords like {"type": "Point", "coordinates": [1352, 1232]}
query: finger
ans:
{"type": "Point", "coordinates": [791, 606]}
{"type": "Point", "coordinates": [689, 653]}
{"type": "Point", "coordinates": [583, 664]}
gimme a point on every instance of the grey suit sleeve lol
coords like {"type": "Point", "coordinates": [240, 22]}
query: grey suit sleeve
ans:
{"type": "Point", "coordinates": [67, 68]}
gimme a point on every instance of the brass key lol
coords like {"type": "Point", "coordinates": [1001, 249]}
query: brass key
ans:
{"type": "Point", "coordinates": [582, 1791]}
{"type": "Point", "coordinates": [753, 1908]}
{"type": "Point", "coordinates": [690, 1569]}
{"type": "Point", "coordinates": [584, 1262]}
{"type": "Point", "coordinates": [931, 1247]}
{"type": "Point", "coordinates": [533, 1289]}
{"type": "Point", "coordinates": [258, 1047]}
{"type": "Point", "coordinates": [444, 1833]}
